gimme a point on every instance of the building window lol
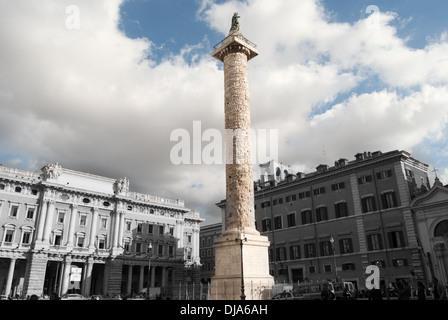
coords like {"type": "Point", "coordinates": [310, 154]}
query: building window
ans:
{"type": "Point", "coordinates": [128, 225]}
{"type": "Point", "coordinates": [348, 266]}
{"type": "Point", "coordinates": [172, 231]}
{"type": "Point", "coordinates": [305, 194]}
{"type": "Point", "coordinates": [368, 204]}
{"type": "Point", "coordinates": [171, 251]}
{"type": "Point", "coordinates": [13, 211]}
{"type": "Point", "coordinates": [150, 229]}
{"type": "Point", "coordinates": [266, 224]}
{"type": "Point", "coordinates": [103, 222]}
{"type": "Point", "coordinates": [280, 254]}
{"type": "Point", "coordinates": [127, 245]}
{"type": "Point", "coordinates": [138, 247]}
{"type": "Point", "coordinates": [396, 239]}
{"type": "Point", "coordinates": [318, 191]}
{"type": "Point", "coordinates": [280, 200]}
{"type": "Point", "coordinates": [139, 227]}
{"type": "Point", "coordinates": [325, 248]}
{"type": "Point", "coordinates": [26, 238]}
{"type": "Point", "coordinates": [30, 213]}
{"type": "Point", "coordinates": [266, 204]}
{"type": "Point", "coordinates": [307, 216]}
{"type": "Point", "coordinates": [294, 252]}
{"type": "Point", "coordinates": [57, 239]}
{"type": "Point", "coordinates": [311, 269]}
{"type": "Point", "coordinates": [61, 215]}
{"type": "Point", "coordinates": [374, 242]}
{"type": "Point", "coordinates": [378, 263]}
{"type": "Point", "coordinates": [288, 199]}
{"type": "Point", "coordinates": [80, 240]}
{"type": "Point", "coordinates": [310, 250]}
{"type": "Point", "coordinates": [274, 202]}
{"type": "Point", "coordinates": [101, 243]}
{"type": "Point", "coordinates": [83, 220]}
{"type": "Point", "coordinates": [384, 174]}
{"type": "Point", "coordinates": [160, 250]}
{"type": "Point", "coordinates": [277, 222]}
{"type": "Point", "coordinates": [327, 268]}
{"type": "Point", "coordinates": [365, 179]}
{"type": "Point", "coordinates": [345, 245]}
{"type": "Point", "coordinates": [341, 209]}
{"type": "Point", "coordinates": [291, 220]}
{"type": "Point", "coordinates": [9, 236]}
{"type": "Point", "coordinates": [2, 186]}
{"type": "Point", "coordinates": [338, 186]}
{"type": "Point", "coordinates": [161, 230]}
{"type": "Point", "coordinates": [321, 214]}
{"type": "Point", "coordinates": [400, 262]}
{"type": "Point", "coordinates": [18, 189]}
{"type": "Point", "coordinates": [189, 238]}
{"type": "Point", "coordinates": [389, 200]}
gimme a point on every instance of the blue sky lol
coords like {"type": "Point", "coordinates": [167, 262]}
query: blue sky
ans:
{"type": "Point", "coordinates": [105, 96]}
{"type": "Point", "coordinates": [171, 24]}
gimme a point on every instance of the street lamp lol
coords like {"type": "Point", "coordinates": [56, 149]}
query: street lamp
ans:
{"type": "Point", "coordinates": [334, 258]}
{"type": "Point", "coordinates": [241, 239]}
{"type": "Point", "coordinates": [149, 269]}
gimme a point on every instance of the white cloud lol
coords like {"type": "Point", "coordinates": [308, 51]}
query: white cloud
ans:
{"type": "Point", "coordinates": [94, 100]}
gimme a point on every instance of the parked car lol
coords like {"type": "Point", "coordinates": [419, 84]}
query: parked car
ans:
{"type": "Point", "coordinates": [288, 295]}
{"type": "Point", "coordinates": [73, 296]}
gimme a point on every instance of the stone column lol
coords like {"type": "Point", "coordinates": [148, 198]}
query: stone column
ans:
{"type": "Point", "coordinates": [141, 278]}
{"type": "Point", "coordinates": [129, 285]}
{"type": "Point", "coordinates": [66, 277]}
{"type": "Point", "coordinates": [239, 217]}
{"type": "Point", "coordinates": [93, 229]}
{"type": "Point", "coordinates": [88, 277]}
{"type": "Point", "coordinates": [163, 284]}
{"type": "Point", "coordinates": [71, 227]}
{"type": "Point", "coordinates": [42, 216]}
{"type": "Point", "coordinates": [48, 222]}
{"type": "Point", "coordinates": [153, 277]}
{"type": "Point", "coordinates": [120, 229]}
{"type": "Point", "coordinates": [10, 276]}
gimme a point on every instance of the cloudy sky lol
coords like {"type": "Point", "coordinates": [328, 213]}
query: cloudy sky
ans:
{"type": "Point", "coordinates": [99, 86]}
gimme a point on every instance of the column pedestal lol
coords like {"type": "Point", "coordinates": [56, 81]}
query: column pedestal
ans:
{"type": "Point", "coordinates": [226, 284]}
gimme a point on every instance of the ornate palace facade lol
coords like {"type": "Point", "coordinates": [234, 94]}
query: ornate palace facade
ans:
{"type": "Point", "coordinates": [68, 231]}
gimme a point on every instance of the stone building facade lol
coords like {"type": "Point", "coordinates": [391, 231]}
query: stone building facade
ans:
{"type": "Point", "coordinates": [334, 222]}
{"type": "Point", "coordinates": [68, 231]}
{"type": "Point", "coordinates": [378, 208]}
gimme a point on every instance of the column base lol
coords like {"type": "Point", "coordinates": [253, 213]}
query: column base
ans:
{"type": "Point", "coordinates": [226, 284]}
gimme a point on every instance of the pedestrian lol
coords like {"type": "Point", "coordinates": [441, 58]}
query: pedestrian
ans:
{"type": "Point", "coordinates": [421, 291]}
{"type": "Point", "coordinates": [438, 289]}
{"type": "Point", "coordinates": [404, 293]}
{"type": "Point", "coordinates": [346, 292]}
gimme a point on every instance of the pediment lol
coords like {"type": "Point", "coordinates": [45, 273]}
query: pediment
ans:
{"type": "Point", "coordinates": [436, 195]}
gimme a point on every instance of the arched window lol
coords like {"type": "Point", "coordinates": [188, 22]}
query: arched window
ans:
{"type": "Point", "coordinates": [441, 229]}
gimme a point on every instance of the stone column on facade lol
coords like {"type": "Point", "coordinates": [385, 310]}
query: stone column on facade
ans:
{"type": "Point", "coordinates": [120, 230]}
{"type": "Point", "coordinates": [93, 229]}
{"type": "Point", "coordinates": [141, 278]}
{"type": "Point", "coordinates": [48, 222]}
{"type": "Point", "coordinates": [105, 290]}
{"type": "Point", "coordinates": [115, 249]}
{"type": "Point", "coordinates": [66, 277]}
{"type": "Point", "coordinates": [163, 284]}
{"type": "Point", "coordinates": [41, 223]}
{"type": "Point", "coordinates": [71, 227]}
{"type": "Point", "coordinates": [88, 276]}
{"type": "Point", "coordinates": [10, 276]}
{"type": "Point", "coordinates": [129, 284]}
{"type": "Point", "coordinates": [153, 276]}
{"type": "Point", "coordinates": [180, 232]}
